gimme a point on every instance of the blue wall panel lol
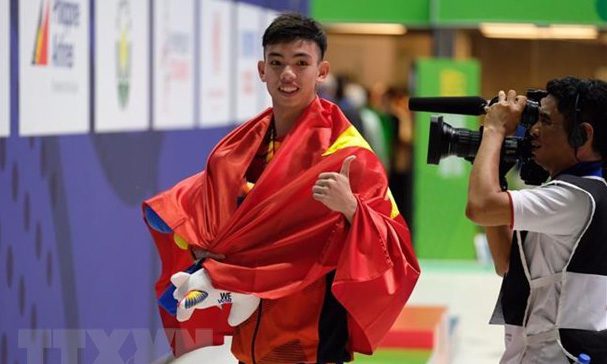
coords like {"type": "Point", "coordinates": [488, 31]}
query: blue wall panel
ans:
{"type": "Point", "coordinates": [74, 252]}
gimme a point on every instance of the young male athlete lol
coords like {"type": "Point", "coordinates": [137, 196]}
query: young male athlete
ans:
{"type": "Point", "coordinates": [293, 208]}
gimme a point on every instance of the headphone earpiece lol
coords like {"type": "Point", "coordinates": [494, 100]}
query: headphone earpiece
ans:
{"type": "Point", "coordinates": [578, 137]}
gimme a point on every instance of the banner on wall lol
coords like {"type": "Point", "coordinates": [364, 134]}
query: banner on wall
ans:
{"type": "Point", "coordinates": [440, 227]}
{"type": "Point", "coordinates": [249, 52]}
{"type": "Point", "coordinates": [53, 67]}
{"type": "Point", "coordinates": [5, 68]}
{"type": "Point", "coordinates": [265, 98]}
{"type": "Point", "coordinates": [294, 6]}
{"type": "Point", "coordinates": [122, 65]}
{"type": "Point", "coordinates": [215, 63]}
{"type": "Point", "coordinates": [173, 64]}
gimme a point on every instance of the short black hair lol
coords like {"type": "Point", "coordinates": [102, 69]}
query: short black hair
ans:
{"type": "Point", "coordinates": [289, 27]}
{"type": "Point", "coordinates": [592, 106]}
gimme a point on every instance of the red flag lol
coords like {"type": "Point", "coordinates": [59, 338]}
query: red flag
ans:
{"type": "Point", "coordinates": [280, 239]}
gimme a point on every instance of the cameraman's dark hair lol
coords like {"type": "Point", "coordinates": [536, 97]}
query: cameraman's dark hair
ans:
{"type": "Point", "coordinates": [291, 26]}
{"type": "Point", "coordinates": [592, 106]}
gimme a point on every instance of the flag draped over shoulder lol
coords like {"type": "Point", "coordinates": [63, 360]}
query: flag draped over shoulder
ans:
{"type": "Point", "coordinates": [280, 239]}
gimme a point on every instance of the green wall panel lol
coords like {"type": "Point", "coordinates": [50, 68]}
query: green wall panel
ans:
{"type": "Point", "coordinates": [463, 12]}
{"type": "Point", "coordinates": [440, 227]}
{"type": "Point", "coordinates": [409, 12]}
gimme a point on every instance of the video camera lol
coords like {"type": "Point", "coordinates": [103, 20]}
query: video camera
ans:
{"type": "Point", "coordinates": [446, 140]}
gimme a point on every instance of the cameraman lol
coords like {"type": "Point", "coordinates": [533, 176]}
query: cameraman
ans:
{"type": "Point", "coordinates": [553, 300]}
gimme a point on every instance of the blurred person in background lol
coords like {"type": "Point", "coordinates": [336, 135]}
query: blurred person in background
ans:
{"type": "Point", "coordinates": [388, 109]}
{"type": "Point", "coordinates": [401, 178]}
{"type": "Point", "coordinates": [350, 100]}
{"type": "Point", "coordinates": [293, 208]}
{"type": "Point", "coordinates": [328, 89]}
{"type": "Point", "coordinates": [374, 132]}
{"type": "Point", "coordinates": [377, 103]}
{"type": "Point", "coordinates": [553, 300]}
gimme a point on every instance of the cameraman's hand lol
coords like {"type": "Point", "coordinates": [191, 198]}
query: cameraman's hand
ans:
{"type": "Point", "coordinates": [487, 204]}
{"type": "Point", "coordinates": [505, 114]}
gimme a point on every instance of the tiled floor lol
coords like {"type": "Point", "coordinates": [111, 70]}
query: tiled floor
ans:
{"type": "Point", "coordinates": [469, 291]}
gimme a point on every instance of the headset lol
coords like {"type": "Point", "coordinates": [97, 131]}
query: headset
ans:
{"type": "Point", "coordinates": [578, 135]}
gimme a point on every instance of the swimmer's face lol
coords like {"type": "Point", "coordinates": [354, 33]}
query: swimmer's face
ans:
{"type": "Point", "coordinates": [291, 72]}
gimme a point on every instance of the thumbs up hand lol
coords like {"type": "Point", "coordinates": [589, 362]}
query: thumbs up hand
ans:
{"type": "Point", "coordinates": [334, 191]}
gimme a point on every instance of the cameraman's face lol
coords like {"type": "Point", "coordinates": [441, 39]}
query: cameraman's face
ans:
{"type": "Point", "coordinates": [551, 148]}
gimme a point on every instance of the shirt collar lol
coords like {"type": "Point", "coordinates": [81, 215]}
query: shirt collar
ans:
{"type": "Point", "coordinates": [584, 169]}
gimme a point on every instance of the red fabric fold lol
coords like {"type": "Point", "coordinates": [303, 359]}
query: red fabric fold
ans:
{"type": "Point", "coordinates": [280, 239]}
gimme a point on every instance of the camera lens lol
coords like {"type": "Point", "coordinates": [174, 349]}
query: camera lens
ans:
{"type": "Point", "coordinates": [446, 141]}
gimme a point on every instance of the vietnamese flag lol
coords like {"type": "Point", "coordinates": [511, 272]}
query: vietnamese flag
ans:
{"type": "Point", "coordinates": [280, 239]}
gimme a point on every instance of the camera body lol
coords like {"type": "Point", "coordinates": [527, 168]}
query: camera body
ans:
{"type": "Point", "coordinates": [445, 141]}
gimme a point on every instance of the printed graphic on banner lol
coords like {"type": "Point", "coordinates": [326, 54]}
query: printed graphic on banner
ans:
{"type": "Point", "coordinates": [248, 42]}
{"type": "Point", "coordinates": [5, 47]}
{"type": "Point", "coordinates": [53, 67]}
{"type": "Point", "coordinates": [265, 98]}
{"type": "Point", "coordinates": [173, 64]}
{"type": "Point", "coordinates": [215, 61]}
{"type": "Point", "coordinates": [122, 65]}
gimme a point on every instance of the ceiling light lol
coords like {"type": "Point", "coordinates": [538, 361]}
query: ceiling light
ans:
{"type": "Point", "coordinates": [367, 28]}
{"type": "Point", "coordinates": [532, 31]}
